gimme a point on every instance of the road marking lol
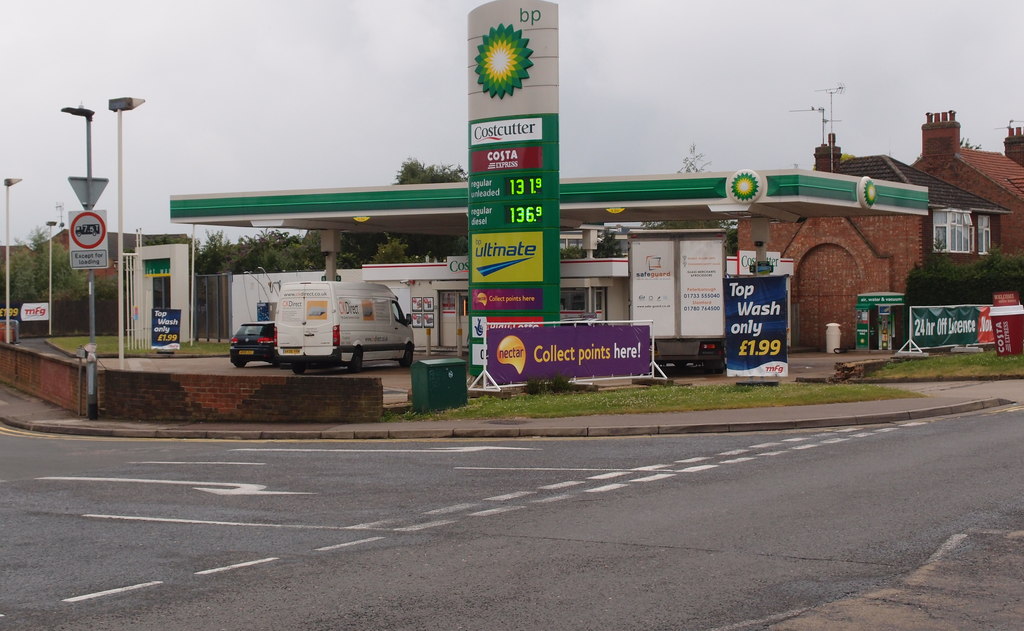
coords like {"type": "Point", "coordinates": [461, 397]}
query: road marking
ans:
{"type": "Point", "coordinates": [457, 508]}
{"type": "Point", "coordinates": [689, 460]}
{"type": "Point", "coordinates": [913, 424]}
{"type": "Point", "coordinates": [702, 467]}
{"type": "Point", "coordinates": [495, 511]}
{"type": "Point", "coordinates": [735, 460]}
{"type": "Point", "coordinates": [608, 476]}
{"type": "Point", "coordinates": [431, 450]}
{"type": "Point", "coordinates": [508, 496]}
{"type": "Point", "coordinates": [348, 543]}
{"type": "Point", "coordinates": [764, 445]}
{"type": "Point", "coordinates": [734, 452]}
{"type": "Point", "coordinates": [811, 446]}
{"type": "Point", "coordinates": [231, 488]}
{"type": "Point", "coordinates": [424, 526]}
{"type": "Point", "coordinates": [200, 522]}
{"type": "Point", "coordinates": [653, 467]}
{"type": "Point", "coordinates": [561, 485]}
{"type": "Point", "coordinates": [236, 566]}
{"type": "Point", "coordinates": [886, 429]}
{"type": "Point", "coordinates": [863, 434]}
{"type": "Point", "coordinates": [602, 489]}
{"type": "Point", "coordinates": [832, 441]}
{"type": "Point", "coordinates": [372, 525]}
{"type": "Point", "coordinates": [847, 429]}
{"type": "Point", "coordinates": [796, 440]}
{"type": "Point", "coordinates": [111, 592]}
{"type": "Point", "coordinates": [652, 478]}
{"type": "Point", "coordinates": [771, 453]}
{"type": "Point", "coordinates": [553, 498]}
{"type": "Point", "coordinates": [946, 548]}
{"type": "Point", "coordinates": [530, 469]}
{"type": "Point", "coordinates": [252, 464]}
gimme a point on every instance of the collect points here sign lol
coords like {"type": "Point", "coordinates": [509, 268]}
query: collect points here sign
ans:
{"type": "Point", "coordinates": [520, 353]}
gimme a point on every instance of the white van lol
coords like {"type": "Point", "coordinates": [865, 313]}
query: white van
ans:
{"type": "Point", "coordinates": [335, 324]}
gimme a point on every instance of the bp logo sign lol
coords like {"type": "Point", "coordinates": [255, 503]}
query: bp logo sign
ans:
{"type": "Point", "coordinates": [867, 192]}
{"type": "Point", "coordinates": [503, 60]}
{"type": "Point", "coordinates": [745, 187]}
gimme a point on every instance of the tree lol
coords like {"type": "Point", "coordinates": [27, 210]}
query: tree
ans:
{"type": "Point", "coordinates": [30, 271]}
{"type": "Point", "coordinates": [214, 255]}
{"type": "Point", "coordinates": [413, 171]}
{"type": "Point", "coordinates": [695, 162]}
{"type": "Point", "coordinates": [608, 246]}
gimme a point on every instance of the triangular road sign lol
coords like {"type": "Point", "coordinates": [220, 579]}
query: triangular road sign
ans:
{"type": "Point", "coordinates": [88, 195]}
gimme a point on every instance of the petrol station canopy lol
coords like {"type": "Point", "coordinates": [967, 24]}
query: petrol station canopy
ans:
{"type": "Point", "coordinates": [441, 209]}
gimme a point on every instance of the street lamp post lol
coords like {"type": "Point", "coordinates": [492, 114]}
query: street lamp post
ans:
{"type": "Point", "coordinates": [8, 183]}
{"type": "Point", "coordinates": [121, 105]}
{"type": "Point", "coordinates": [87, 204]}
{"type": "Point", "coordinates": [49, 285]}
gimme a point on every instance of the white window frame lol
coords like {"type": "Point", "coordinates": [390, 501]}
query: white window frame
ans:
{"type": "Point", "coordinates": [984, 234]}
{"type": "Point", "coordinates": [953, 231]}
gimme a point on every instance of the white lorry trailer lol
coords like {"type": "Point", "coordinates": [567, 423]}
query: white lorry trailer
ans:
{"type": "Point", "coordinates": [676, 282]}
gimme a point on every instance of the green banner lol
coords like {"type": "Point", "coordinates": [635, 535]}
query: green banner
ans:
{"type": "Point", "coordinates": [945, 326]}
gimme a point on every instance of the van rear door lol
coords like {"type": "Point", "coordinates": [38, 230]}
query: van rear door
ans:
{"type": "Point", "coordinates": [305, 322]}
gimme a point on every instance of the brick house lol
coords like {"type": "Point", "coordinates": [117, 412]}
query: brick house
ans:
{"type": "Point", "coordinates": [989, 174]}
{"type": "Point", "coordinates": [836, 259]}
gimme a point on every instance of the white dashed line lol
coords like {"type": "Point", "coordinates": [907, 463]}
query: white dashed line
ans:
{"type": "Point", "coordinates": [886, 429]}
{"type": "Point", "coordinates": [553, 498]}
{"type": "Point", "coordinates": [734, 452]}
{"type": "Point", "coordinates": [690, 460]}
{"type": "Point", "coordinates": [495, 511]}
{"type": "Point", "coordinates": [653, 467]}
{"type": "Point", "coordinates": [847, 429]}
{"type": "Point", "coordinates": [832, 441]}
{"type": "Point", "coordinates": [508, 496]}
{"type": "Point", "coordinates": [607, 487]}
{"type": "Point", "coordinates": [348, 543]}
{"type": "Point", "coordinates": [913, 424]}
{"type": "Point", "coordinates": [735, 460]}
{"type": "Point", "coordinates": [702, 467]}
{"type": "Point", "coordinates": [608, 476]}
{"type": "Point", "coordinates": [424, 526]}
{"type": "Point", "coordinates": [561, 485]}
{"type": "Point", "coordinates": [799, 439]}
{"type": "Point", "coordinates": [457, 508]}
{"type": "Point", "coordinates": [111, 592]}
{"type": "Point", "coordinates": [765, 445]}
{"type": "Point", "coordinates": [771, 453]}
{"type": "Point", "coordinates": [236, 566]}
{"type": "Point", "coordinates": [811, 446]}
{"type": "Point", "coordinates": [863, 434]}
{"type": "Point", "coordinates": [652, 478]}
{"type": "Point", "coordinates": [373, 525]}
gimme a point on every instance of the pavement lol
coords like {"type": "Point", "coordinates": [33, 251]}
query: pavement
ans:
{"type": "Point", "coordinates": [942, 398]}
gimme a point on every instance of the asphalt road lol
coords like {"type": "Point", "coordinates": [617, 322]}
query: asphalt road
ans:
{"type": "Point", "coordinates": [790, 530]}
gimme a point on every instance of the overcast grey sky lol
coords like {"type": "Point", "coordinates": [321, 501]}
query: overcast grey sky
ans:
{"type": "Point", "coordinates": [258, 95]}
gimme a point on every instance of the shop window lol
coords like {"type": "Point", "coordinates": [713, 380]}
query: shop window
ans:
{"type": "Point", "coordinates": [161, 292]}
{"type": "Point", "coordinates": [952, 231]}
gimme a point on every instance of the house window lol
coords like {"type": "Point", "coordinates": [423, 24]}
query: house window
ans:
{"type": "Point", "coordinates": [984, 234]}
{"type": "Point", "coordinates": [952, 230]}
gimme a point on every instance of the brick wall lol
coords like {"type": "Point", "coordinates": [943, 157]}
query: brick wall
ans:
{"type": "Point", "coordinates": [174, 396]}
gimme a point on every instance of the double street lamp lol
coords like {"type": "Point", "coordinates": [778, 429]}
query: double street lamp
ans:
{"type": "Point", "coordinates": [8, 183]}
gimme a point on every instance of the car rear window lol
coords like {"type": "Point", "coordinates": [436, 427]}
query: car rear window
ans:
{"type": "Point", "coordinates": [261, 330]}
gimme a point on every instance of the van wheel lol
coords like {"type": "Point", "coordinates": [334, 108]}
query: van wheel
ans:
{"type": "Point", "coordinates": [298, 369]}
{"type": "Point", "coordinates": [356, 363]}
{"type": "Point", "coordinates": [406, 359]}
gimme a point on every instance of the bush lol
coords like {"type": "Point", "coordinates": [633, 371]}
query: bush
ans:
{"type": "Point", "coordinates": [555, 385]}
{"type": "Point", "coordinates": [941, 281]}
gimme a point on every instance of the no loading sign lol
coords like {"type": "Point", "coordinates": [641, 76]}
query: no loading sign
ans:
{"type": "Point", "coordinates": [88, 232]}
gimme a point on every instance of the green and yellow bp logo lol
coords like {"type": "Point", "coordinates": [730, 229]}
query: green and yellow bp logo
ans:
{"type": "Point", "coordinates": [503, 61]}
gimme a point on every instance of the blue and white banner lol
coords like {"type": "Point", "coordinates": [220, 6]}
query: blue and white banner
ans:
{"type": "Point", "coordinates": [756, 321]}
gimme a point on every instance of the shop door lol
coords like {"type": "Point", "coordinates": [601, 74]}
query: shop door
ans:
{"type": "Point", "coordinates": [453, 320]}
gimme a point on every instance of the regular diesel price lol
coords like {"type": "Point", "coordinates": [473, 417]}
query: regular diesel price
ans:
{"type": "Point", "coordinates": [516, 186]}
{"type": "Point", "coordinates": [760, 347]}
{"type": "Point", "coordinates": [520, 215]}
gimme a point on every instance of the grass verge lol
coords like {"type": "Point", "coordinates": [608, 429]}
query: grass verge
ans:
{"type": "Point", "coordinates": [954, 366]}
{"type": "Point", "coordinates": [107, 345]}
{"type": "Point", "coordinates": [659, 399]}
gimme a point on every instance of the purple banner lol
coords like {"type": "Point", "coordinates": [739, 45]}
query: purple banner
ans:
{"type": "Point", "coordinates": [515, 355]}
{"type": "Point", "coordinates": [530, 299]}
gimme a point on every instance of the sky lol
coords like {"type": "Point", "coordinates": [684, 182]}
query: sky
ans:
{"type": "Point", "coordinates": [263, 95]}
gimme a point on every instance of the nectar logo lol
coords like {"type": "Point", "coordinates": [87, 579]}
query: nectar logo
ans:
{"type": "Point", "coordinates": [511, 351]}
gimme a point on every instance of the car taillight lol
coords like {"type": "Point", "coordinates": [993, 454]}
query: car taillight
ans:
{"type": "Point", "coordinates": [234, 340]}
{"type": "Point", "coordinates": [275, 337]}
{"type": "Point", "coordinates": [265, 340]}
{"type": "Point", "coordinates": [336, 335]}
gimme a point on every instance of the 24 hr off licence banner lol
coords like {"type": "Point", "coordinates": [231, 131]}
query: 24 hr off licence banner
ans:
{"type": "Point", "coordinates": [755, 327]}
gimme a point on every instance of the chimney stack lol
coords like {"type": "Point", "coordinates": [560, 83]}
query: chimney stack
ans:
{"type": "Point", "coordinates": [940, 135]}
{"type": "Point", "coordinates": [1014, 144]}
{"type": "Point", "coordinates": [826, 157]}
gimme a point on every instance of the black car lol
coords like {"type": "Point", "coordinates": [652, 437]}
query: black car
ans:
{"type": "Point", "coordinates": [254, 341]}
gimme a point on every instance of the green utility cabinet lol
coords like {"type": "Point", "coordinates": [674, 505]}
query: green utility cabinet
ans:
{"type": "Point", "coordinates": [438, 384]}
